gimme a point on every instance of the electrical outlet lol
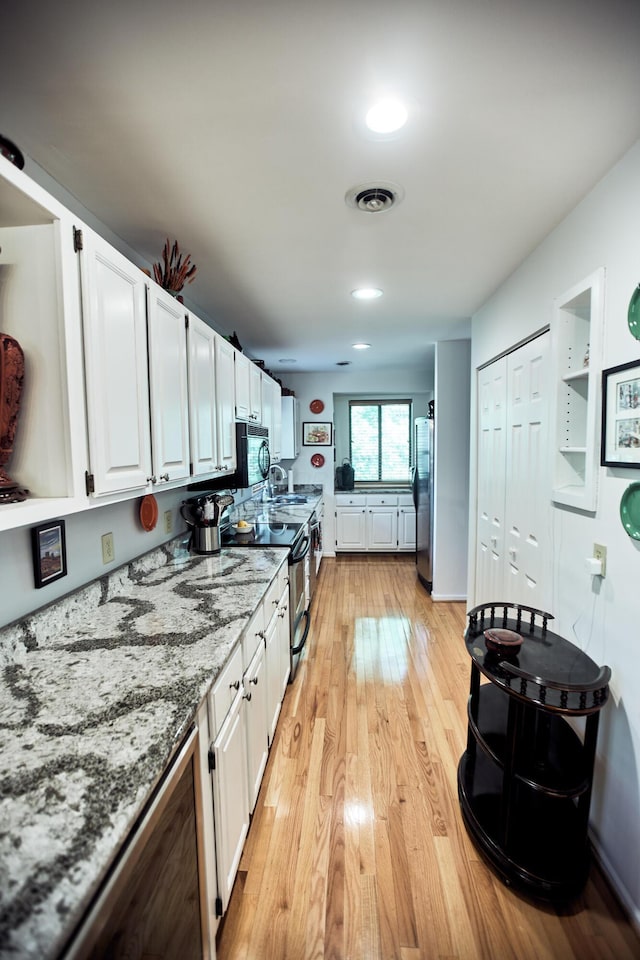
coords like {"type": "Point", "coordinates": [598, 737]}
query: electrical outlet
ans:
{"type": "Point", "coordinates": [600, 553]}
{"type": "Point", "coordinates": [108, 552]}
{"type": "Point", "coordinates": [168, 521]}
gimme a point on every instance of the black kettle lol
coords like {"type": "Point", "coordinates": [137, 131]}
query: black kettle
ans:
{"type": "Point", "coordinates": [345, 476]}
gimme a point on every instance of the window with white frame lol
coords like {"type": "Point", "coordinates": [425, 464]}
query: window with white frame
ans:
{"type": "Point", "coordinates": [380, 440]}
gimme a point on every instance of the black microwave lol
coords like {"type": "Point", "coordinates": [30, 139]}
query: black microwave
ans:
{"type": "Point", "coordinates": [252, 450]}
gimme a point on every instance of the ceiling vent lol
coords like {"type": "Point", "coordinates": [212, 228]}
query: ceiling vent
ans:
{"type": "Point", "coordinates": [374, 197]}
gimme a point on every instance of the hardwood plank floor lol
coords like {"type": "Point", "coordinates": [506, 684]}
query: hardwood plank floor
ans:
{"type": "Point", "coordinates": [357, 850]}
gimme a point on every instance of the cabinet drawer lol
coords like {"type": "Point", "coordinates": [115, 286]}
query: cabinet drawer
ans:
{"type": "Point", "coordinates": [382, 500]}
{"type": "Point", "coordinates": [225, 690]}
{"type": "Point", "coordinates": [253, 636]}
{"type": "Point", "coordinates": [350, 500]}
{"type": "Point", "coordinates": [270, 602]}
{"type": "Point", "coordinates": [405, 500]}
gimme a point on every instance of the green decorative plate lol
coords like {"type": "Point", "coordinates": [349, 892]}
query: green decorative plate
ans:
{"type": "Point", "coordinates": [630, 510]}
{"type": "Point", "coordinates": [633, 316]}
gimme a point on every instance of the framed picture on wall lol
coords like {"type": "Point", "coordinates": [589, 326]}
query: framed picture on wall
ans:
{"type": "Point", "coordinates": [316, 434]}
{"type": "Point", "coordinates": [49, 552]}
{"type": "Point", "coordinates": [621, 416]}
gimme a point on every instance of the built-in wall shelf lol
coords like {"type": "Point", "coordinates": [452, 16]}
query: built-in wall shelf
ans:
{"type": "Point", "coordinates": [576, 349]}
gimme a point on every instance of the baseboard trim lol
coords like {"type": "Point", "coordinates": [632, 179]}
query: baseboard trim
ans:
{"type": "Point", "coordinates": [451, 597]}
{"type": "Point", "coordinates": [618, 887]}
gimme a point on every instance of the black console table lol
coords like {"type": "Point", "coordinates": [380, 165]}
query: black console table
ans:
{"type": "Point", "coordinates": [524, 781]}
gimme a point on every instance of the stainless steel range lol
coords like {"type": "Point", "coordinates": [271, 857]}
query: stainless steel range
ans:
{"type": "Point", "coordinates": [294, 536]}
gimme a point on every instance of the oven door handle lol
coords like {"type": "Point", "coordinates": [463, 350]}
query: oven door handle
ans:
{"type": "Point", "coordinates": [301, 552]}
{"type": "Point", "coordinates": [295, 650]}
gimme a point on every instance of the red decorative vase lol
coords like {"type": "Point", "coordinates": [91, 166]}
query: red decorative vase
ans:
{"type": "Point", "coordinates": [11, 380]}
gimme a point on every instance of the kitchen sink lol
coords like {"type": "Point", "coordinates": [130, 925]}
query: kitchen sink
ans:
{"type": "Point", "coordinates": [289, 498]}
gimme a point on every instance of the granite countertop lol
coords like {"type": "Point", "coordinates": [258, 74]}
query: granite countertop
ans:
{"type": "Point", "coordinates": [96, 692]}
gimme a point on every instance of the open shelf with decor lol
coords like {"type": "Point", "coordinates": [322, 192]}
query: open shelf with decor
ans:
{"type": "Point", "coordinates": [576, 348]}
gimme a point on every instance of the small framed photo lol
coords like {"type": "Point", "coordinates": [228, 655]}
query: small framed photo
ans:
{"type": "Point", "coordinates": [621, 416]}
{"type": "Point", "coordinates": [49, 552]}
{"type": "Point", "coordinates": [317, 434]}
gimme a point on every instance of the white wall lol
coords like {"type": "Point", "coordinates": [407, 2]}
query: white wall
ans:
{"type": "Point", "coordinates": [451, 470]}
{"type": "Point", "coordinates": [601, 618]}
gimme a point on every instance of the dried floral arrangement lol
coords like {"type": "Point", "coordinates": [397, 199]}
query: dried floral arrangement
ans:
{"type": "Point", "coordinates": [175, 269]}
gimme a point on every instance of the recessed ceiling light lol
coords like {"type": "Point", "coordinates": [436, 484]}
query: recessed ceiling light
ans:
{"type": "Point", "coordinates": [287, 360]}
{"type": "Point", "coordinates": [366, 293]}
{"type": "Point", "coordinates": [386, 116]}
{"type": "Point", "coordinates": [360, 346]}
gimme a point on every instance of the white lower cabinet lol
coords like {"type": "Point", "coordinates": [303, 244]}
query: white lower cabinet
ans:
{"type": "Point", "coordinates": [230, 781]}
{"type": "Point", "coordinates": [255, 693]}
{"type": "Point", "coordinates": [351, 528]}
{"type": "Point", "coordinates": [384, 522]}
{"type": "Point", "coordinates": [382, 528]}
{"type": "Point", "coordinates": [243, 707]}
{"type": "Point", "coordinates": [406, 528]}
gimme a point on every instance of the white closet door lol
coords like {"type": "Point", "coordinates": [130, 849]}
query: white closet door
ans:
{"type": "Point", "coordinates": [528, 483]}
{"type": "Point", "coordinates": [492, 393]}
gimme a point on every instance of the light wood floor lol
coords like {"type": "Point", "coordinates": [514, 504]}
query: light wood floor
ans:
{"type": "Point", "coordinates": [357, 848]}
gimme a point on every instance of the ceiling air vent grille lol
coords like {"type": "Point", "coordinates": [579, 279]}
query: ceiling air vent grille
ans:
{"type": "Point", "coordinates": [373, 197]}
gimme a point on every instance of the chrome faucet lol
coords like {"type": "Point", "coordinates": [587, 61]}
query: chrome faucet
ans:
{"type": "Point", "coordinates": [283, 476]}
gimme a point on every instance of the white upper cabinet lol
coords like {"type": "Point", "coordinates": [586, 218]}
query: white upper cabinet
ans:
{"type": "Point", "coordinates": [272, 415]}
{"type": "Point", "coordinates": [168, 381]}
{"type": "Point", "coordinates": [225, 404]}
{"type": "Point", "coordinates": [248, 389]}
{"type": "Point", "coordinates": [242, 387]}
{"type": "Point", "coordinates": [255, 393]}
{"type": "Point", "coordinates": [117, 388]}
{"type": "Point", "coordinates": [291, 430]}
{"type": "Point", "coordinates": [203, 433]}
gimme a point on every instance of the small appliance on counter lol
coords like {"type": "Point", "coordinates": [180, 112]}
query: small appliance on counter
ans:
{"type": "Point", "coordinates": [202, 516]}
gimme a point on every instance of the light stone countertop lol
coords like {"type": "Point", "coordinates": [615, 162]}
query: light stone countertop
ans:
{"type": "Point", "coordinates": [97, 691]}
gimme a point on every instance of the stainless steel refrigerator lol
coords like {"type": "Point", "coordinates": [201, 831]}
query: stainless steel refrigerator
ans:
{"type": "Point", "coordinates": [423, 498]}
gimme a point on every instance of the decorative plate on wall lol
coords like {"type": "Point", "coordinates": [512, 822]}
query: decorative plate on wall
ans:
{"type": "Point", "coordinates": [317, 460]}
{"type": "Point", "coordinates": [630, 510]}
{"type": "Point", "coordinates": [633, 316]}
{"type": "Point", "coordinates": [149, 512]}
{"type": "Point", "coordinates": [316, 406]}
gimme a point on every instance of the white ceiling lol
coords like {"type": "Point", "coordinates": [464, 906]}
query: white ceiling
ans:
{"type": "Point", "coordinates": [236, 127]}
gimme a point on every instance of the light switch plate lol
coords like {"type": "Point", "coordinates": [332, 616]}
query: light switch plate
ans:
{"type": "Point", "coordinates": [600, 553]}
{"type": "Point", "coordinates": [108, 552]}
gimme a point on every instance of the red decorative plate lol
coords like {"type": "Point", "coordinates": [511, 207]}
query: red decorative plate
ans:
{"type": "Point", "coordinates": [316, 406]}
{"type": "Point", "coordinates": [317, 460]}
{"type": "Point", "coordinates": [149, 512]}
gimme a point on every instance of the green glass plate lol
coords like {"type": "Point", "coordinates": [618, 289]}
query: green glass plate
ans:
{"type": "Point", "coordinates": [633, 316]}
{"type": "Point", "coordinates": [630, 510]}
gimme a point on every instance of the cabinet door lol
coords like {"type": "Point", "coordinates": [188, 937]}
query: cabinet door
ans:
{"type": "Point", "coordinates": [272, 415]}
{"type": "Point", "coordinates": [230, 797]}
{"type": "Point", "coordinates": [255, 694]}
{"type": "Point", "coordinates": [225, 405]}
{"type": "Point", "coordinates": [203, 431]}
{"type": "Point", "coordinates": [528, 475]}
{"type": "Point", "coordinates": [169, 395]}
{"type": "Point", "coordinates": [242, 386]}
{"type": "Point", "coordinates": [290, 429]}
{"type": "Point", "coordinates": [273, 668]}
{"type": "Point", "coordinates": [406, 528]}
{"type": "Point", "coordinates": [492, 398]}
{"type": "Point", "coordinates": [255, 393]}
{"type": "Point", "coordinates": [117, 387]}
{"type": "Point", "coordinates": [350, 528]}
{"type": "Point", "coordinates": [382, 528]}
{"type": "Point", "coordinates": [284, 640]}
